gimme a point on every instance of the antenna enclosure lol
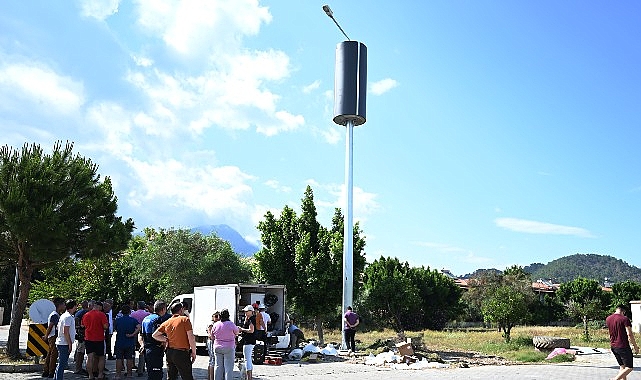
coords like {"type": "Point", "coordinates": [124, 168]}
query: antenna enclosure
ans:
{"type": "Point", "coordinates": [350, 83]}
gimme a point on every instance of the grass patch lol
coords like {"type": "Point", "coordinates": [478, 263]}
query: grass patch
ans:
{"type": "Point", "coordinates": [486, 342]}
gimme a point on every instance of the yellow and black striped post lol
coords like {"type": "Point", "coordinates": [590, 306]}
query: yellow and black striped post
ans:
{"type": "Point", "coordinates": [36, 346]}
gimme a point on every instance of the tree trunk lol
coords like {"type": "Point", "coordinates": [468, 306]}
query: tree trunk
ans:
{"type": "Point", "coordinates": [25, 270]}
{"type": "Point", "coordinates": [585, 328]}
{"type": "Point", "coordinates": [318, 321]}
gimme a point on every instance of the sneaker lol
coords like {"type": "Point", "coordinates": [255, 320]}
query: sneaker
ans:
{"type": "Point", "coordinates": [45, 374]}
{"type": "Point", "coordinates": [82, 372]}
{"type": "Point", "coordinates": [111, 357]}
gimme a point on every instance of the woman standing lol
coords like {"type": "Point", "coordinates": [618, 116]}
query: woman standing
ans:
{"type": "Point", "coordinates": [223, 333]}
{"type": "Point", "coordinates": [248, 338]}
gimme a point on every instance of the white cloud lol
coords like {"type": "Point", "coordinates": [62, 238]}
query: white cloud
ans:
{"type": "Point", "coordinates": [332, 134]}
{"type": "Point", "coordinates": [48, 91]}
{"type": "Point", "coordinates": [274, 184]}
{"type": "Point", "coordinates": [312, 86]}
{"type": "Point", "coordinates": [231, 95]}
{"type": "Point", "coordinates": [115, 124]}
{"type": "Point", "coordinates": [202, 26]}
{"type": "Point", "coordinates": [99, 9]}
{"type": "Point", "coordinates": [534, 227]}
{"type": "Point", "coordinates": [364, 203]}
{"type": "Point", "coordinates": [461, 254]}
{"type": "Point", "coordinates": [382, 86]}
{"type": "Point", "coordinates": [214, 191]}
{"type": "Point", "coordinates": [441, 247]}
{"type": "Point", "coordinates": [142, 61]}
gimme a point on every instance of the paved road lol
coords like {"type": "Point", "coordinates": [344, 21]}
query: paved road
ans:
{"type": "Point", "coordinates": [586, 367]}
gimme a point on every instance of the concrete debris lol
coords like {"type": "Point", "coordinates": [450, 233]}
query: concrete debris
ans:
{"type": "Point", "coordinates": [392, 360]}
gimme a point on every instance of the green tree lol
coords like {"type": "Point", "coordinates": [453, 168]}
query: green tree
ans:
{"type": "Point", "coordinates": [389, 295]}
{"type": "Point", "coordinates": [624, 292]}
{"type": "Point", "coordinates": [480, 288]}
{"type": "Point", "coordinates": [90, 278]}
{"type": "Point", "coordinates": [440, 297]}
{"type": "Point", "coordinates": [307, 258]}
{"type": "Point", "coordinates": [53, 206]}
{"type": "Point", "coordinates": [485, 286]}
{"type": "Point", "coordinates": [174, 261]}
{"type": "Point", "coordinates": [276, 258]}
{"type": "Point", "coordinates": [505, 306]}
{"type": "Point", "coordinates": [584, 299]}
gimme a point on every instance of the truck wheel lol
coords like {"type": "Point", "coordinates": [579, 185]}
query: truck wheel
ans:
{"type": "Point", "coordinates": [258, 355]}
{"type": "Point", "coordinates": [550, 342]}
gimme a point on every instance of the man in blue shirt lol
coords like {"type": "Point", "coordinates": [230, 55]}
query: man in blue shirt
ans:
{"type": "Point", "coordinates": [127, 328]}
{"type": "Point", "coordinates": [154, 350]}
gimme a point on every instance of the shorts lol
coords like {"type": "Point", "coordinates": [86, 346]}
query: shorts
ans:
{"type": "Point", "coordinates": [124, 352]}
{"type": "Point", "coordinates": [623, 356]}
{"type": "Point", "coordinates": [96, 348]}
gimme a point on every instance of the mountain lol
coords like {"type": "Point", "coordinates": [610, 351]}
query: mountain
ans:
{"type": "Point", "coordinates": [223, 231]}
{"type": "Point", "coordinates": [592, 266]}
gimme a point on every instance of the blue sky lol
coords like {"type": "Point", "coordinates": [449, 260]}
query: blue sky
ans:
{"type": "Point", "coordinates": [497, 133]}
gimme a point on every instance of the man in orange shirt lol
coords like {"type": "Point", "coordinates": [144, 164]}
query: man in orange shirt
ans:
{"type": "Point", "coordinates": [181, 343]}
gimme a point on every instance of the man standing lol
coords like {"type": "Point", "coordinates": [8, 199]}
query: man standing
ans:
{"type": "Point", "coordinates": [95, 323]}
{"type": "Point", "coordinates": [154, 350]}
{"type": "Point", "coordinates": [50, 337]}
{"type": "Point", "coordinates": [351, 321]}
{"type": "Point", "coordinates": [181, 343]}
{"type": "Point", "coordinates": [262, 327]}
{"type": "Point", "coordinates": [139, 315]}
{"type": "Point", "coordinates": [66, 335]}
{"type": "Point", "coordinates": [127, 328]}
{"type": "Point", "coordinates": [107, 308]}
{"type": "Point", "coordinates": [79, 356]}
{"type": "Point", "coordinates": [621, 337]}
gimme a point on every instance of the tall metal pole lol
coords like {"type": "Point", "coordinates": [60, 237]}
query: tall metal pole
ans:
{"type": "Point", "coordinates": [350, 93]}
{"type": "Point", "coordinates": [348, 229]}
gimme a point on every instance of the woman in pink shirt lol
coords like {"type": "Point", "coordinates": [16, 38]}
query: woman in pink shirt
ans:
{"type": "Point", "coordinates": [224, 333]}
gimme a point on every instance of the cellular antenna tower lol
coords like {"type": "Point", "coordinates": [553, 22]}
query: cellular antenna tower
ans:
{"type": "Point", "coordinates": [350, 90]}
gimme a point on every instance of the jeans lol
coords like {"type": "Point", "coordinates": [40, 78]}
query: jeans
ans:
{"type": "Point", "coordinates": [153, 360]}
{"type": "Point", "coordinates": [248, 350]}
{"type": "Point", "coordinates": [63, 360]}
{"type": "Point", "coordinates": [224, 367]}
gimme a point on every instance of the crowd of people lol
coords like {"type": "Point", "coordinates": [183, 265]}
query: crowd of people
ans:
{"type": "Point", "coordinates": [152, 332]}
{"type": "Point", "coordinates": [155, 334]}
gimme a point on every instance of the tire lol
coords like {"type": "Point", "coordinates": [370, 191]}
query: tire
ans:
{"type": "Point", "coordinates": [258, 354]}
{"type": "Point", "coordinates": [550, 342]}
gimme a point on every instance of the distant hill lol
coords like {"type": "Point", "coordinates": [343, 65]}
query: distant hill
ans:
{"type": "Point", "coordinates": [481, 272]}
{"type": "Point", "coordinates": [223, 231]}
{"type": "Point", "coordinates": [592, 266]}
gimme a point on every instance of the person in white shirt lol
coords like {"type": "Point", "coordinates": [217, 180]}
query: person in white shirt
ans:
{"type": "Point", "coordinates": [66, 336]}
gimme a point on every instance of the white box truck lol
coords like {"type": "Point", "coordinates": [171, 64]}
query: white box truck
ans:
{"type": "Point", "coordinates": [202, 303]}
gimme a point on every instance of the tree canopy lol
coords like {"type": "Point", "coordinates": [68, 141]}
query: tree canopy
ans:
{"type": "Point", "coordinates": [53, 206]}
{"type": "Point", "coordinates": [404, 297]}
{"type": "Point", "coordinates": [307, 257]}
{"type": "Point", "coordinates": [585, 300]}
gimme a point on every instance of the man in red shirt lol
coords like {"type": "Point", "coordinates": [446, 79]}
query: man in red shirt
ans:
{"type": "Point", "coordinates": [95, 323]}
{"type": "Point", "coordinates": [621, 337]}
